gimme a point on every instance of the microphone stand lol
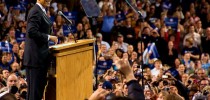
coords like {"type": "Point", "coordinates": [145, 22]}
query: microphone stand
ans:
{"type": "Point", "coordinates": [140, 18]}
{"type": "Point", "coordinates": [141, 62]}
{"type": "Point", "coordinates": [93, 25]}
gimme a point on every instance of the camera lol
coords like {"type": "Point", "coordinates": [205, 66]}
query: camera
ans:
{"type": "Point", "coordinates": [189, 81]}
{"type": "Point", "coordinates": [166, 89]}
{"type": "Point", "coordinates": [165, 83]}
{"type": "Point", "coordinates": [13, 89]}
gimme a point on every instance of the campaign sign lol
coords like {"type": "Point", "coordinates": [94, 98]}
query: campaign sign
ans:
{"type": "Point", "coordinates": [172, 22]}
{"type": "Point", "coordinates": [20, 37]}
{"type": "Point", "coordinates": [5, 46]}
{"type": "Point", "coordinates": [102, 66]}
{"type": "Point", "coordinates": [72, 16]}
{"type": "Point", "coordinates": [173, 72]}
{"type": "Point", "coordinates": [66, 30]}
{"type": "Point", "coordinates": [120, 17]}
{"type": "Point", "coordinates": [90, 7]}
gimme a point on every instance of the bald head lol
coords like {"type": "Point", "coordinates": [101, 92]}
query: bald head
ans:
{"type": "Point", "coordinates": [12, 80]}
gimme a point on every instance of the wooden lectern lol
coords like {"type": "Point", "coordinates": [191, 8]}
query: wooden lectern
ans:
{"type": "Point", "coordinates": [73, 77]}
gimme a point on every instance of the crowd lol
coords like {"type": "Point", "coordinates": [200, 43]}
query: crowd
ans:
{"type": "Point", "coordinates": [167, 46]}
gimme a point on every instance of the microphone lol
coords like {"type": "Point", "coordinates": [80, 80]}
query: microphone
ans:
{"type": "Point", "coordinates": [61, 14]}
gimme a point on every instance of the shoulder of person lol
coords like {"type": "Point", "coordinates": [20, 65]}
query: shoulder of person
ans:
{"type": "Point", "coordinates": [124, 43]}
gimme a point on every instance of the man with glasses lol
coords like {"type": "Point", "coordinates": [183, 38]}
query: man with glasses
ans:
{"type": "Point", "coordinates": [201, 73]}
{"type": "Point", "coordinates": [203, 83]}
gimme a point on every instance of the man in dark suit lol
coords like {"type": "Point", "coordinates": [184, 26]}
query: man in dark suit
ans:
{"type": "Point", "coordinates": [36, 51]}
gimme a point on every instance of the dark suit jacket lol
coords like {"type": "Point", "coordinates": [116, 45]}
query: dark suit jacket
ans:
{"type": "Point", "coordinates": [135, 92]}
{"type": "Point", "coordinates": [36, 45]}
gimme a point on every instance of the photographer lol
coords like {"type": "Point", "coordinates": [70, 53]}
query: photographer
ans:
{"type": "Point", "coordinates": [135, 91]}
{"type": "Point", "coordinates": [12, 83]}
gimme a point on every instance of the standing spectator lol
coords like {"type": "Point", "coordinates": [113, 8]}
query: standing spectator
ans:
{"type": "Point", "coordinates": [192, 34]}
{"type": "Point", "coordinates": [3, 11]}
{"type": "Point", "coordinates": [199, 28]}
{"type": "Point", "coordinates": [99, 40]}
{"type": "Point", "coordinates": [171, 54]}
{"type": "Point", "coordinates": [129, 33]}
{"type": "Point", "coordinates": [205, 44]}
{"type": "Point", "coordinates": [145, 36]}
{"type": "Point", "coordinates": [108, 23]}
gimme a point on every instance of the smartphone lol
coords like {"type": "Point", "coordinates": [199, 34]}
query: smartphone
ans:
{"type": "Point", "coordinates": [164, 76]}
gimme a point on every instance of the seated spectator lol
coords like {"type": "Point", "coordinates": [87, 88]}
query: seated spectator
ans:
{"type": "Point", "coordinates": [201, 73]}
{"type": "Point", "coordinates": [205, 61]}
{"type": "Point", "coordinates": [80, 31]}
{"type": "Point", "coordinates": [103, 50]}
{"type": "Point", "coordinates": [5, 74]}
{"type": "Point", "coordinates": [89, 34]}
{"type": "Point", "coordinates": [188, 63]}
{"type": "Point", "coordinates": [130, 50]}
{"type": "Point", "coordinates": [5, 64]}
{"type": "Point", "coordinates": [181, 70]}
{"type": "Point", "coordinates": [133, 58]}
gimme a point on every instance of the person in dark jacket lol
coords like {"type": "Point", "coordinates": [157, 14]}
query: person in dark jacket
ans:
{"type": "Point", "coordinates": [36, 52]}
{"type": "Point", "coordinates": [135, 92]}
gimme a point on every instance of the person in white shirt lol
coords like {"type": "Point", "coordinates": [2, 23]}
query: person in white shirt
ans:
{"type": "Point", "coordinates": [196, 37]}
{"type": "Point", "coordinates": [99, 40]}
{"type": "Point", "coordinates": [157, 70]}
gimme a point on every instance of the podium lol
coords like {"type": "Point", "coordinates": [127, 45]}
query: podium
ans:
{"type": "Point", "coordinates": [73, 79]}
